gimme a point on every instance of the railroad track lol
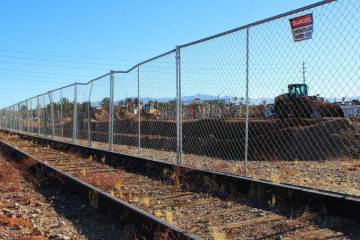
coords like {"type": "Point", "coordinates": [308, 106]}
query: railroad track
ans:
{"type": "Point", "coordinates": [182, 208]}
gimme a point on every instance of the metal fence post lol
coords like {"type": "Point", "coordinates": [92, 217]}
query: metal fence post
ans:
{"type": "Point", "coordinates": [13, 118]}
{"type": "Point", "coordinates": [12, 121]}
{"type": "Point", "coordinates": [61, 114]}
{"type": "Point", "coordinates": [8, 122]}
{"type": "Point", "coordinates": [23, 116]}
{"type": "Point", "coordinates": [139, 110]}
{"type": "Point", "coordinates": [16, 116]}
{"type": "Point", "coordinates": [19, 118]}
{"type": "Point", "coordinates": [178, 108]}
{"type": "Point", "coordinates": [22, 119]}
{"type": "Point", "coordinates": [5, 118]}
{"type": "Point", "coordinates": [45, 116]}
{"type": "Point", "coordinates": [111, 111]}
{"type": "Point", "coordinates": [75, 114]}
{"type": "Point", "coordinates": [2, 118]}
{"type": "Point", "coordinates": [89, 116]}
{"type": "Point", "coordinates": [17, 121]}
{"type": "Point", "coordinates": [247, 105]}
{"type": "Point", "coordinates": [27, 116]}
{"type": "Point", "coordinates": [52, 115]}
{"type": "Point", "coordinates": [10, 118]}
{"type": "Point", "coordinates": [31, 117]}
{"type": "Point", "coordinates": [38, 115]}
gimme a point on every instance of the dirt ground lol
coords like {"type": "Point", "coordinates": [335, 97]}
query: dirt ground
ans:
{"type": "Point", "coordinates": [34, 210]}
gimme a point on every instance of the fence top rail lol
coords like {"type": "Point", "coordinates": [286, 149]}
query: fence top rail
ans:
{"type": "Point", "coordinates": [56, 89]}
{"type": "Point", "coordinates": [258, 22]}
{"type": "Point", "coordinates": [93, 80]}
{"type": "Point", "coordinates": [146, 61]}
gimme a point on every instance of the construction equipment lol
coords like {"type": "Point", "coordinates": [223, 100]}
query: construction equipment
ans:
{"type": "Point", "coordinates": [151, 110]}
{"type": "Point", "coordinates": [298, 104]}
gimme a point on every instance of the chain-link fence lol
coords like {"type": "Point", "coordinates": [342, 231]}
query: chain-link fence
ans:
{"type": "Point", "coordinates": [127, 112]}
{"type": "Point", "coordinates": [275, 100]}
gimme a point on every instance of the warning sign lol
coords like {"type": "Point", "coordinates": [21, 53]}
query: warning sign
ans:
{"type": "Point", "coordinates": [302, 27]}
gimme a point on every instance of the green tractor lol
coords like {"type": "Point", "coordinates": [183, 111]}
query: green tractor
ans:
{"type": "Point", "coordinates": [297, 103]}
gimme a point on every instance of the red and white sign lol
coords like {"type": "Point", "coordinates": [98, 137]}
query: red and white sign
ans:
{"type": "Point", "coordinates": [302, 27]}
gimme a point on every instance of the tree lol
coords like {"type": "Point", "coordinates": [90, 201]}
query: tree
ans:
{"type": "Point", "coordinates": [67, 107]}
{"type": "Point", "coordinates": [105, 103]}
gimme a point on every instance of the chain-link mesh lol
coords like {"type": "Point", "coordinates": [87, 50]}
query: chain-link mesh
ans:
{"type": "Point", "coordinates": [98, 94]}
{"type": "Point", "coordinates": [67, 112]}
{"type": "Point", "coordinates": [255, 101]}
{"type": "Point", "coordinates": [57, 111]}
{"type": "Point", "coordinates": [126, 113]}
{"type": "Point", "coordinates": [42, 115]}
{"type": "Point", "coordinates": [157, 87]}
{"type": "Point", "coordinates": [22, 116]}
{"type": "Point", "coordinates": [213, 89]}
{"type": "Point", "coordinates": [48, 115]}
{"type": "Point", "coordinates": [32, 116]}
{"type": "Point", "coordinates": [17, 117]}
{"type": "Point", "coordinates": [11, 120]}
{"type": "Point", "coordinates": [2, 118]}
{"type": "Point", "coordinates": [83, 95]}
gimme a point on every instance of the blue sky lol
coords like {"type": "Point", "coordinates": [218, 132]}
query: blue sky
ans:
{"type": "Point", "coordinates": [48, 44]}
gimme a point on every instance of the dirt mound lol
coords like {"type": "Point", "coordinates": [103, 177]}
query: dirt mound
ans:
{"type": "Point", "coordinates": [125, 115]}
{"type": "Point", "coordinates": [101, 115]}
{"type": "Point", "coordinates": [67, 120]}
{"type": "Point", "coordinates": [327, 139]}
{"type": "Point", "coordinates": [269, 139]}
